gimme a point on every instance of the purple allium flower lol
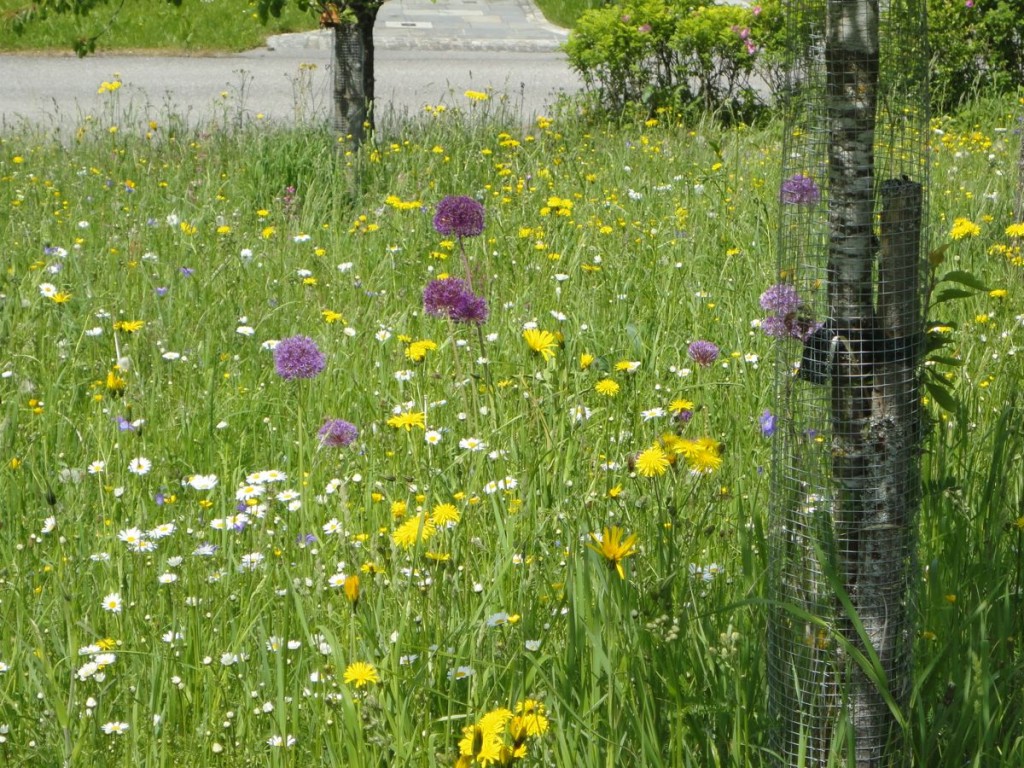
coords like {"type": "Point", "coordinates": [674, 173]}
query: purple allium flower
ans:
{"type": "Point", "coordinates": [767, 422]}
{"type": "Point", "coordinates": [800, 190]}
{"type": "Point", "coordinates": [781, 299]}
{"type": "Point", "coordinates": [452, 298]}
{"type": "Point", "coordinates": [298, 357]}
{"type": "Point", "coordinates": [337, 433]}
{"type": "Point", "coordinates": [459, 216]}
{"type": "Point", "coordinates": [704, 353]}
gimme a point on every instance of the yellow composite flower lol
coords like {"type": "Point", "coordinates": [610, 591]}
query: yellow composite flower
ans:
{"type": "Point", "coordinates": [408, 420]}
{"type": "Point", "coordinates": [128, 326]}
{"type": "Point", "coordinates": [652, 462]}
{"type": "Point", "coordinates": [586, 360]}
{"type": "Point", "coordinates": [415, 529]}
{"type": "Point", "coordinates": [115, 384]}
{"type": "Point", "coordinates": [607, 387]}
{"type": "Point", "coordinates": [476, 95]}
{"type": "Point", "coordinates": [612, 548]}
{"type": "Point", "coordinates": [963, 227]}
{"type": "Point", "coordinates": [445, 514]}
{"type": "Point", "coordinates": [532, 716]}
{"type": "Point", "coordinates": [483, 741]}
{"type": "Point", "coordinates": [679, 405]}
{"type": "Point", "coordinates": [1015, 230]}
{"type": "Point", "coordinates": [351, 587]}
{"type": "Point", "coordinates": [360, 673]}
{"type": "Point", "coordinates": [417, 350]}
{"type": "Point", "coordinates": [541, 342]}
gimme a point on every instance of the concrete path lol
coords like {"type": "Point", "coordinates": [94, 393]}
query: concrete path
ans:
{"type": "Point", "coordinates": [427, 54]}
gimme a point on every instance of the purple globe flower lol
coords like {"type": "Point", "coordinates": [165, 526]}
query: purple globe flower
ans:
{"type": "Point", "coordinates": [776, 327]}
{"type": "Point", "coordinates": [781, 299]}
{"type": "Point", "coordinates": [460, 216]}
{"type": "Point", "coordinates": [799, 190]}
{"type": "Point", "coordinates": [704, 353]}
{"type": "Point", "coordinates": [338, 433]}
{"type": "Point", "coordinates": [452, 298]}
{"type": "Point", "coordinates": [298, 357]}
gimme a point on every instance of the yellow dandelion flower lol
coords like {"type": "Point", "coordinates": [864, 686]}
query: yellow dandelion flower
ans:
{"type": "Point", "coordinates": [416, 529]}
{"type": "Point", "coordinates": [532, 714]}
{"type": "Point", "coordinates": [541, 342]}
{"type": "Point", "coordinates": [627, 366]}
{"type": "Point", "coordinates": [330, 316]}
{"type": "Point", "coordinates": [998, 293]}
{"type": "Point", "coordinates": [445, 514]}
{"type": "Point", "coordinates": [476, 95]}
{"type": "Point", "coordinates": [398, 509]}
{"type": "Point", "coordinates": [963, 227]}
{"type": "Point", "coordinates": [351, 588]}
{"type": "Point", "coordinates": [607, 387]}
{"type": "Point", "coordinates": [1015, 230]}
{"type": "Point", "coordinates": [612, 548]}
{"type": "Point", "coordinates": [360, 674]}
{"type": "Point", "coordinates": [586, 360]}
{"type": "Point", "coordinates": [679, 405]}
{"type": "Point", "coordinates": [417, 350]}
{"type": "Point", "coordinates": [115, 384]}
{"type": "Point", "coordinates": [408, 420]}
{"type": "Point", "coordinates": [128, 326]}
{"type": "Point", "coordinates": [652, 462]}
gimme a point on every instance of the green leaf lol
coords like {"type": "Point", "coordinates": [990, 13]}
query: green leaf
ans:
{"type": "Point", "coordinates": [941, 394]}
{"type": "Point", "coordinates": [952, 294]}
{"type": "Point", "coordinates": [946, 360]}
{"type": "Point", "coordinates": [964, 278]}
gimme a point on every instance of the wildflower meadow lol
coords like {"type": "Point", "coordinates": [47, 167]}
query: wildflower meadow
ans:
{"type": "Point", "coordinates": [456, 451]}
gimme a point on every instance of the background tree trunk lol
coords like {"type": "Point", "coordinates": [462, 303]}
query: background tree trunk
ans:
{"type": "Point", "coordinates": [353, 77]}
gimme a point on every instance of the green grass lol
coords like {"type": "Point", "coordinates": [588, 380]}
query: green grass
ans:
{"type": "Point", "coordinates": [669, 238]}
{"type": "Point", "coordinates": [194, 27]}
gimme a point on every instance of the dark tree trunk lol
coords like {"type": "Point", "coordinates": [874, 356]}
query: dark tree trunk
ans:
{"type": "Point", "coordinates": [353, 77]}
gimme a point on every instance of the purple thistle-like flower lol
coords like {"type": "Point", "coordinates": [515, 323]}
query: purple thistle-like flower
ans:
{"type": "Point", "coordinates": [452, 298]}
{"type": "Point", "coordinates": [799, 190]}
{"type": "Point", "coordinates": [298, 357]}
{"type": "Point", "coordinates": [338, 433]}
{"type": "Point", "coordinates": [781, 299]}
{"type": "Point", "coordinates": [460, 216]}
{"type": "Point", "coordinates": [704, 353]}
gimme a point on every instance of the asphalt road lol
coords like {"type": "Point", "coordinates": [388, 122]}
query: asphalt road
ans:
{"type": "Point", "coordinates": [427, 53]}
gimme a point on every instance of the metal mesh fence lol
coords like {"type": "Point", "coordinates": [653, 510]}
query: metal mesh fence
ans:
{"type": "Point", "coordinates": [847, 310]}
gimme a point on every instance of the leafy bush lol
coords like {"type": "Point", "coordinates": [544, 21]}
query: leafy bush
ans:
{"type": "Point", "coordinates": [978, 46]}
{"type": "Point", "coordinates": [657, 54]}
{"type": "Point", "coordinates": [624, 52]}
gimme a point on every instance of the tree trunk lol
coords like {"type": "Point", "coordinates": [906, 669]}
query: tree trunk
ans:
{"type": "Point", "coordinates": [353, 77]}
{"type": "Point", "coordinates": [852, 62]}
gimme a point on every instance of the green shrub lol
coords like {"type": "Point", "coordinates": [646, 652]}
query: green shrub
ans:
{"type": "Point", "coordinates": [976, 48]}
{"type": "Point", "coordinates": [623, 52]}
{"type": "Point", "coordinates": [656, 54]}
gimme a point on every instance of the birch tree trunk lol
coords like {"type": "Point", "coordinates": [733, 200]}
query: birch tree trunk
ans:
{"type": "Point", "coordinates": [851, 92]}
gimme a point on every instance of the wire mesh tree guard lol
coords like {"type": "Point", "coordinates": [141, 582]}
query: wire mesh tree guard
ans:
{"type": "Point", "coordinates": [848, 307]}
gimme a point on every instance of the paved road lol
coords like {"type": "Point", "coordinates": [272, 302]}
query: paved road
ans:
{"type": "Point", "coordinates": [427, 53]}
